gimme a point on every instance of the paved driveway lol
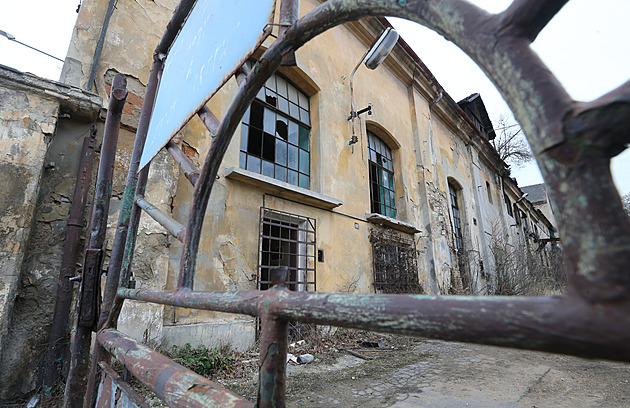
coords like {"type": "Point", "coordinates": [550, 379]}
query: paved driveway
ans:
{"type": "Point", "coordinates": [445, 374]}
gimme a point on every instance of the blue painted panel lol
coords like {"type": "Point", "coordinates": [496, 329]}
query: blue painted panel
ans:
{"type": "Point", "coordinates": [216, 39]}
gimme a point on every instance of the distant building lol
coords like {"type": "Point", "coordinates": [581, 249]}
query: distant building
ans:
{"type": "Point", "coordinates": [537, 195]}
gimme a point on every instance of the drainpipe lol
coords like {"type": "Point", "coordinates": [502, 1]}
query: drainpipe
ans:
{"type": "Point", "coordinates": [99, 45]}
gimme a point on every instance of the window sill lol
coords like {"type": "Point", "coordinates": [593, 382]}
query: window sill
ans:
{"type": "Point", "coordinates": [391, 223]}
{"type": "Point", "coordinates": [282, 189]}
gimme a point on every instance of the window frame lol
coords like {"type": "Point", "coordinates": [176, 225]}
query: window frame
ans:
{"type": "Point", "coordinates": [458, 231]}
{"type": "Point", "coordinates": [382, 196]}
{"type": "Point", "coordinates": [263, 137]}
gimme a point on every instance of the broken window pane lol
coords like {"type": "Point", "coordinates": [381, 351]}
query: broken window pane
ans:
{"type": "Point", "coordinates": [269, 147]}
{"type": "Point", "coordinates": [282, 128]}
{"type": "Point", "coordinates": [271, 98]}
{"type": "Point", "coordinates": [256, 116]}
{"type": "Point", "coordinates": [254, 143]}
{"type": "Point", "coordinates": [271, 122]}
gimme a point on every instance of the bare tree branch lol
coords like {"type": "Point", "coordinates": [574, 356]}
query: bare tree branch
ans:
{"type": "Point", "coordinates": [527, 18]}
{"type": "Point", "coordinates": [510, 142]}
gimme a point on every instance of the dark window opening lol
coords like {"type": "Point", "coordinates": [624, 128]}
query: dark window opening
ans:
{"type": "Point", "coordinates": [457, 223]}
{"type": "Point", "coordinates": [489, 192]}
{"type": "Point", "coordinates": [382, 197]}
{"type": "Point", "coordinates": [275, 136]}
{"type": "Point", "coordinates": [287, 240]}
{"type": "Point", "coordinates": [508, 205]}
{"type": "Point", "coordinates": [394, 262]}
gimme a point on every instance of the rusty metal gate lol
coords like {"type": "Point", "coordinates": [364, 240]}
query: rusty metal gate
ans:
{"type": "Point", "coordinates": [592, 320]}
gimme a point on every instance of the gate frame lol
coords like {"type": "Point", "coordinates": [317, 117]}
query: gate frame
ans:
{"type": "Point", "coordinates": [573, 142]}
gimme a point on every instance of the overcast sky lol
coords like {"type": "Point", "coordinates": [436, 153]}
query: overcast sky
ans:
{"type": "Point", "coordinates": [587, 45]}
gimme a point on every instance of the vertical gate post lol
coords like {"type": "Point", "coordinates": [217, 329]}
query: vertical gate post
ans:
{"type": "Point", "coordinates": [273, 348]}
{"type": "Point", "coordinates": [90, 292]}
{"type": "Point", "coordinates": [124, 241]}
{"type": "Point", "coordinates": [57, 342]}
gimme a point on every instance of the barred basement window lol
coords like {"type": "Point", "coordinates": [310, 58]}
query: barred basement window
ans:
{"type": "Point", "coordinates": [394, 262]}
{"type": "Point", "coordinates": [287, 240]}
{"type": "Point", "coordinates": [275, 135]}
{"type": "Point", "coordinates": [382, 196]}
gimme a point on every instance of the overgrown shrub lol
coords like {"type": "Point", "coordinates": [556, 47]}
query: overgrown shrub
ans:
{"type": "Point", "coordinates": [527, 270]}
{"type": "Point", "coordinates": [202, 360]}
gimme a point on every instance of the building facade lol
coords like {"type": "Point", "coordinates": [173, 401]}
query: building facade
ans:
{"type": "Point", "coordinates": [412, 207]}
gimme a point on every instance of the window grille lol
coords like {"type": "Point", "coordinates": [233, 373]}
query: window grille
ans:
{"type": "Point", "coordinates": [383, 200]}
{"type": "Point", "coordinates": [287, 240]}
{"type": "Point", "coordinates": [394, 262]}
{"type": "Point", "coordinates": [275, 134]}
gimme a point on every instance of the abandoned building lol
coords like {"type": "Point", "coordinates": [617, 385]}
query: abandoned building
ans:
{"type": "Point", "coordinates": [412, 207]}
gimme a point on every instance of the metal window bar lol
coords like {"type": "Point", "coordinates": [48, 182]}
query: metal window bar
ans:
{"type": "Point", "coordinates": [570, 324]}
{"type": "Point", "coordinates": [394, 262]}
{"type": "Point", "coordinates": [287, 240]}
{"type": "Point", "coordinates": [457, 223]}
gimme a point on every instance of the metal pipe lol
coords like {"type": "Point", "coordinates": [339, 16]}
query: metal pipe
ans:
{"type": "Point", "coordinates": [188, 168]}
{"type": "Point", "coordinates": [289, 14]}
{"type": "Point", "coordinates": [171, 382]}
{"type": "Point", "coordinates": [209, 120]}
{"type": "Point", "coordinates": [272, 376]}
{"type": "Point", "coordinates": [58, 341]}
{"type": "Point", "coordinates": [80, 376]}
{"type": "Point", "coordinates": [173, 227]}
{"type": "Point", "coordinates": [99, 45]}
{"type": "Point", "coordinates": [560, 324]}
{"type": "Point", "coordinates": [353, 113]}
{"type": "Point", "coordinates": [174, 25]}
{"type": "Point", "coordinates": [124, 219]}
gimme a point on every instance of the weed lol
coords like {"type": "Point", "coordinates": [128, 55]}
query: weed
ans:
{"type": "Point", "coordinates": [202, 360]}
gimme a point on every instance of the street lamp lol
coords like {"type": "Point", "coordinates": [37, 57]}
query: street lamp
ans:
{"type": "Point", "coordinates": [373, 57]}
{"type": "Point", "coordinates": [12, 38]}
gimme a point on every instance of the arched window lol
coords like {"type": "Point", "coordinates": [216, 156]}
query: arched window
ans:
{"type": "Point", "coordinates": [457, 222]}
{"type": "Point", "coordinates": [275, 138]}
{"type": "Point", "coordinates": [382, 197]}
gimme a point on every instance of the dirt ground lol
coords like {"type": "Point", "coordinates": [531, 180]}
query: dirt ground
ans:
{"type": "Point", "coordinates": [404, 372]}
